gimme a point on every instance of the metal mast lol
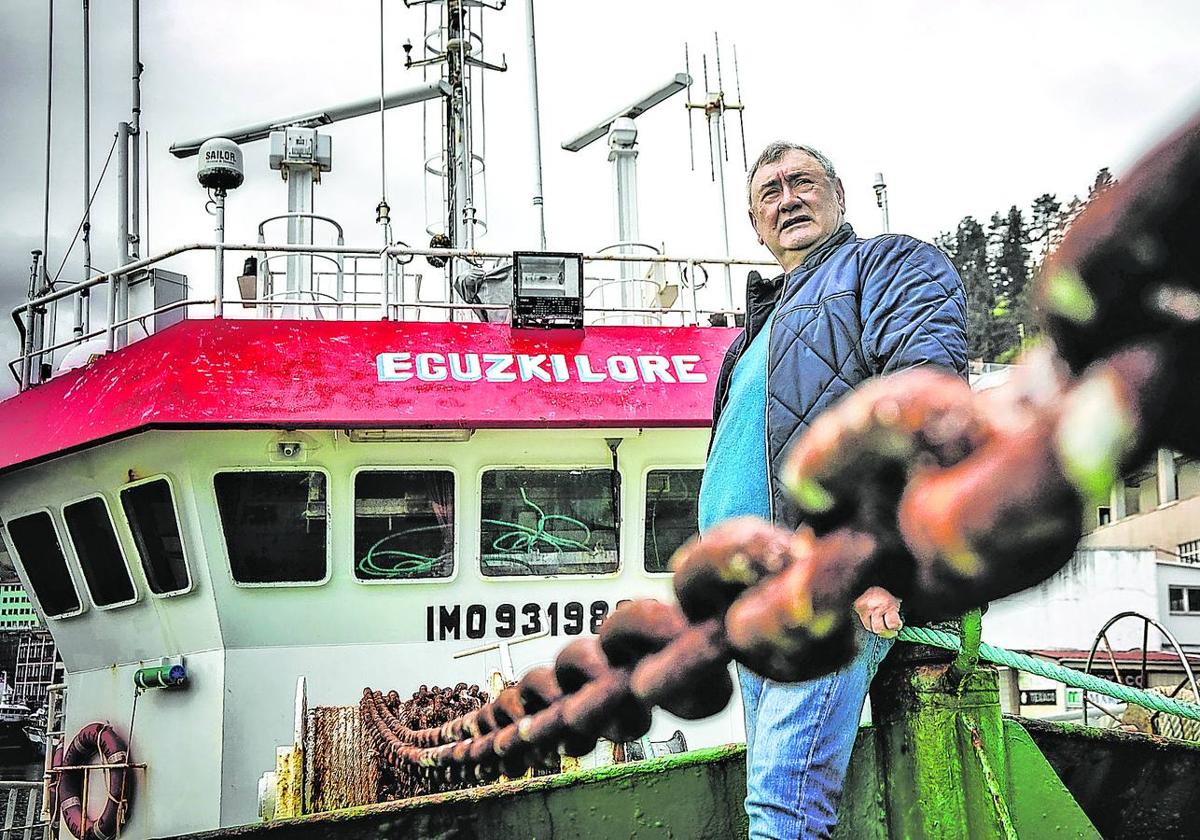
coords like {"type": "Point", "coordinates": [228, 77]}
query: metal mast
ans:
{"type": "Point", "coordinates": [881, 199]}
{"type": "Point", "coordinates": [82, 299]}
{"type": "Point", "coordinates": [538, 203]}
{"type": "Point", "coordinates": [456, 43]}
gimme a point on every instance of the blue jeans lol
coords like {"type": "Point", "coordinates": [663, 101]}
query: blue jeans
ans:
{"type": "Point", "coordinates": [798, 742]}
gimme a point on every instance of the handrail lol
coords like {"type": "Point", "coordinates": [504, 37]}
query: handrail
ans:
{"type": "Point", "coordinates": [462, 253]}
{"type": "Point", "coordinates": [392, 251]}
{"type": "Point", "coordinates": [26, 316]}
{"type": "Point", "coordinates": [315, 216]}
{"type": "Point", "coordinates": [629, 243]}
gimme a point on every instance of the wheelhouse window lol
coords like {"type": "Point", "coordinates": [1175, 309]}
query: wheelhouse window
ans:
{"type": "Point", "coordinates": [36, 541]}
{"type": "Point", "coordinates": [403, 524]}
{"type": "Point", "coordinates": [94, 538]}
{"type": "Point", "coordinates": [150, 509]}
{"type": "Point", "coordinates": [549, 522]}
{"type": "Point", "coordinates": [275, 525]}
{"type": "Point", "coordinates": [671, 499]}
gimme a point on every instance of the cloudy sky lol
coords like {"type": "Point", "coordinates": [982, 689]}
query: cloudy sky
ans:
{"type": "Point", "coordinates": [966, 107]}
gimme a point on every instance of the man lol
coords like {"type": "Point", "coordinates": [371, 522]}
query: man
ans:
{"type": "Point", "coordinates": [845, 309]}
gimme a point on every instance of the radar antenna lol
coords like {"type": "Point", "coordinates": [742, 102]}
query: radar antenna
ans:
{"type": "Point", "coordinates": [622, 142]}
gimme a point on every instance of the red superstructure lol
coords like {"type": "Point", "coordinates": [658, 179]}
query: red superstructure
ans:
{"type": "Point", "coordinates": [370, 374]}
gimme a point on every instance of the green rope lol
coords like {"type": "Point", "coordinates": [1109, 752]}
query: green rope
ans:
{"type": "Point", "coordinates": [1067, 676]}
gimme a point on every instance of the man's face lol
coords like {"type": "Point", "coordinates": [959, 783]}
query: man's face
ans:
{"type": "Point", "coordinates": [795, 206]}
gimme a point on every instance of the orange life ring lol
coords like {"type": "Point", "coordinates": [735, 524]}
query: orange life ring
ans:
{"type": "Point", "coordinates": [95, 738]}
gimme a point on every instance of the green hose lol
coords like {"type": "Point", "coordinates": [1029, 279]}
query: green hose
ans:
{"type": "Point", "coordinates": [407, 563]}
{"type": "Point", "coordinates": [521, 539]}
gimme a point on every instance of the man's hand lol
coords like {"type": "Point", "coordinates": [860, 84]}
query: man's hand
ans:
{"type": "Point", "coordinates": [879, 612]}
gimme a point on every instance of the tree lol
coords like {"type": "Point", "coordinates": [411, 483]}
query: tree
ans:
{"type": "Point", "coordinates": [1010, 271]}
{"type": "Point", "coordinates": [967, 249]}
{"type": "Point", "coordinates": [1004, 334]}
{"type": "Point", "coordinates": [1104, 182]}
{"type": "Point", "coordinates": [1045, 217]}
{"type": "Point", "coordinates": [997, 267]}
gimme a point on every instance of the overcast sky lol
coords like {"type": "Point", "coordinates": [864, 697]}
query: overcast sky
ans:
{"type": "Point", "coordinates": [966, 107]}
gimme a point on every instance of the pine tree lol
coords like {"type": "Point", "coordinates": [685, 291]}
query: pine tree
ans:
{"type": "Point", "coordinates": [1104, 182]}
{"type": "Point", "coordinates": [967, 249]}
{"type": "Point", "coordinates": [997, 267]}
{"type": "Point", "coordinates": [1047, 222]}
{"type": "Point", "coordinates": [1045, 217]}
{"type": "Point", "coordinates": [1011, 272]}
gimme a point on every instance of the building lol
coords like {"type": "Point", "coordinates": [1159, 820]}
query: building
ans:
{"type": "Point", "coordinates": [16, 611]}
{"type": "Point", "coordinates": [1156, 506]}
{"type": "Point", "coordinates": [1059, 620]}
{"type": "Point", "coordinates": [27, 651]}
{"type": "Point", "coordinates": [37, 661]}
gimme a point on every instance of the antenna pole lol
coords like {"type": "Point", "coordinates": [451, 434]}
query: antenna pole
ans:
{"type": "Point", "coordinates": [622, 143]}
{"type": "Point", "coordinates": [81, 298]}
{"type": "Point", "coordinates": [135, 130]}
{"type": "Point", "coordinates": [717, 119]}
{"type": "Point", "coordinates": [120, 283]}
{"type": "Point", "coordinates": [881, 200]}
{"type": "Point", "coordinates": [43, 277]}
{"type": "Point", "coordinates": [146, 238]}
{"type": "Point", "coordinates": [740, 111]}
{"type": "Point", "coordinates": [463, 200]}
{"type": "Point", "coordinates": [219, 256]}
{"type": "Point", "coordinates": [687, 107]}
{"type": "Point", "coordinates": [537, 128]}
{"type": "Point", "coordinates": [715, 105]}
{"type": "Point", "coordinates": [382, 210]}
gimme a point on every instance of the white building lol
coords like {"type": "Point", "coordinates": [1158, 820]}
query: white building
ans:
{"type": "Point", "coordinates": [1059, 619]}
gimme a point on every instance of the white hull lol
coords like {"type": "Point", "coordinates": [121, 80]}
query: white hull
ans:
{"type": "Point", "coordinates": [206, 745]}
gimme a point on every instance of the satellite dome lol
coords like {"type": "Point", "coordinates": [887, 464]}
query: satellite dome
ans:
{"type": "Point", "coordinates": [220, 166]}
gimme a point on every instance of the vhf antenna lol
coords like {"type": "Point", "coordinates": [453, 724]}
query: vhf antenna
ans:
{"type": "Point", "coordinates": [714, 106]}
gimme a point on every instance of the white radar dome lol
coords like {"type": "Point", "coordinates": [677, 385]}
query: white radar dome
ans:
{"type": "Point", "coordinates": [220, 166]}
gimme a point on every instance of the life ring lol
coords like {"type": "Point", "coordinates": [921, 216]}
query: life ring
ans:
{"type": "Point", "coordinates": [92, 739]}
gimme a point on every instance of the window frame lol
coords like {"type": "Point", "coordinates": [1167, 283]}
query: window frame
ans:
{"type": "Point", "coordinates": [1182, 587]}
{"type": "Point", "coordinates": [621, 523]}
{"type": "Point", "coordinates": [642, 512]}
{"type": "Point", "coordinates": [329, 531]}
{"type": "Point", "coordinates": [32, 592]}
{"type": "Point", "coordinates": [1188, 552]}
{"type": "Point", "coordinates": [456, 529]}
{"type": "Point", "coordinates": [183, 542]}
{"type": "Point", "coordinates": [120, 547]}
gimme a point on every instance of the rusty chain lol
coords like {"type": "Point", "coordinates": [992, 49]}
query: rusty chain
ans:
{"type": "Point", "coordinates": [948, 497]}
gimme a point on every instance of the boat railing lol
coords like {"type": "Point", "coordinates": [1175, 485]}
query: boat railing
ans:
{"type": "Point", "coordinates": [352, 283]}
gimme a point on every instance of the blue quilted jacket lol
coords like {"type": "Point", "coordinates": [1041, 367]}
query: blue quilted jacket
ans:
{"type": "Point", "coordinates": [855, 308]}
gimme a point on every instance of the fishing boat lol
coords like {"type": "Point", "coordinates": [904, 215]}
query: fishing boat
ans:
{"type": "Point", "coordinates": [338, 478]}
{"type": "Point", "coordinates": [237, 503]}
{"type": "Point", "coordinates": [35, 732]}
{"type": "Point", "coordinates": [13, 718]}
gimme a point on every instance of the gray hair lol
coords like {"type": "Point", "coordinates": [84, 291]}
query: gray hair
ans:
{"type": "Point", "coordinates": [774, 153]}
